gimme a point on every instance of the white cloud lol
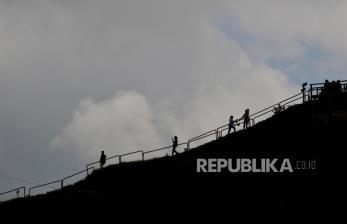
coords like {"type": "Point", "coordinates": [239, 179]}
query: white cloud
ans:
{"type": "Point", "coordinates": [118, 125]}
{"type": "Point", "coordinates": [226, 82]}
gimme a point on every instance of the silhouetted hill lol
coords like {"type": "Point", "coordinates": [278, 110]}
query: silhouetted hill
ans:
{"type": "Point", "coordinates": [171, 186]}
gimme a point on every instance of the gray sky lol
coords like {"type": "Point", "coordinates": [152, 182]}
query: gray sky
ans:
{"type": "Point", "coordinates": [80, 76]}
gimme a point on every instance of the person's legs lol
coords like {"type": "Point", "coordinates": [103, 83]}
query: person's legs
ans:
{"type": "Point", "coordinates": [174, 150]}
{"type": "Point", "coordinates": [246, 124]}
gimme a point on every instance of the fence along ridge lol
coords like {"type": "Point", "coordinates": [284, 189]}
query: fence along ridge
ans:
{"type": "Point", "coordinates": [196, 138]}
{"type": "Point", "coordinates": [218, 132]}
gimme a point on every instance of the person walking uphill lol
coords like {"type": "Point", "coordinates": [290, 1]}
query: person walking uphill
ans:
{"type": "Point", "coordinates": [102, 159]}
{"type": "Point", "coordinates": [174, 145]}
{"type": "Point", "coordinates": [231, 124]}
{"type": "Point", "coordinates": [246, 119]}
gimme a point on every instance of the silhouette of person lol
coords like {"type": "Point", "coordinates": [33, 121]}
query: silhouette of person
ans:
{"type": "Point", "coordinates": [334, 88]}
{"type": "Point", "coordinates": [102, 159]}
{"type": "Point", "coordinates": [326, 87]}
{"type": "Point", "coordinates": [246, 119]}
{"type": "Point", "coordinates": [174, 145]}
{"type": "Point", "coordinates": [231, 124]}
{"type": "Point", "coordinates": [303, 91]}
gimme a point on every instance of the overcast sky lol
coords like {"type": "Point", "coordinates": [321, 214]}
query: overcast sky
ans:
{"type": "Point", "coordinates": [80, 76]}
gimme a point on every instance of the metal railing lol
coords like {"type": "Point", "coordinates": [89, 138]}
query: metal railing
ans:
{"type": "Point", "coordinates": [117, 156]}
{"type": "Point", "coordinates": [270, 109]}
{"type": "Point", "coordinates": [304, 95]}
{"type": "Point", "coordinates": [17, 190]}
{"type": "Point", "coordinates": [42, 185]}
{"type": "Point", "coordinates": [157, 150]}
{"type": "Point", "coordinates": [202, 136]}
{"type": "Point", "coordinates": [225, 127]}
{"type": "Point", "coordinates": [317, 88]}
{"type": "Point", "coordinates": [161, 149]}
{"type": "Point", "coordinates": [131, 153]}
{"type": "Point", "coordinates": [61, 181]}
{"type": "Point", "coordinates": [75, 174]}
{"type": "Point", "coordinates": [218, 132]}
{"type": "Point", "coordinates": [97, 162]}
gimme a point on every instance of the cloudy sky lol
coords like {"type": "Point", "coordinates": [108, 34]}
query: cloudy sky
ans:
{"type": "Point", "coordinates": [80, 76]}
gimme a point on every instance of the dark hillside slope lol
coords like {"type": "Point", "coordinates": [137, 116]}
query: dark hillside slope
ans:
{"type": "Point", "coordinates": [171, 185]}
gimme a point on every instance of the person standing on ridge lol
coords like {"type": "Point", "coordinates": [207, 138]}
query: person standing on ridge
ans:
{"type": "Point", "coordinates": [303, 91]}
{"type": "Point", "coordinates": [326, 87]}
{"type": "Point", "coordinates": [246, 119]}
{"type": "Point", "coordinates": [174, 145]}
{"type": "Point", "coordinates": [102, 159]}
{"type": "Point", "coordinates": [231, 124]}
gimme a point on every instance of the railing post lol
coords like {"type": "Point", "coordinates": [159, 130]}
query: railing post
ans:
{"type": "Point", "coordinates": [120, 159]}
{"type": "Point", "coordinates": [143, 155]}
{"type": "Point", "coordinates": [62, 184]}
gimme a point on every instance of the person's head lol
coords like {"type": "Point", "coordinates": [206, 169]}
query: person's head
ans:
{"type": "Point", "coordinates": [338, 81]}
{"type": "Point", "coordinates": [175, 137]}
{"type": "Point", "coordinates": [102, 152]}
{"type": "Point", "coordinates": [231, 117]}
{"type": "Point", "coordinates": [326, 81]}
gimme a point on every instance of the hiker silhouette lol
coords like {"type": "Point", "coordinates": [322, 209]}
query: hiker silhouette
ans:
{"type": "Point", "coordinates": [174, 145]}
{"type": "Point", "coordinates": [231, 124]}
{"type": "Point", "coordinates": [326, 87]}
{"type": "Point", "coordinates": [303, 91]}
{"type": "Point", "coordinates": [246, 119]}
{"type": "Point", "coordinates": [102, 159]}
